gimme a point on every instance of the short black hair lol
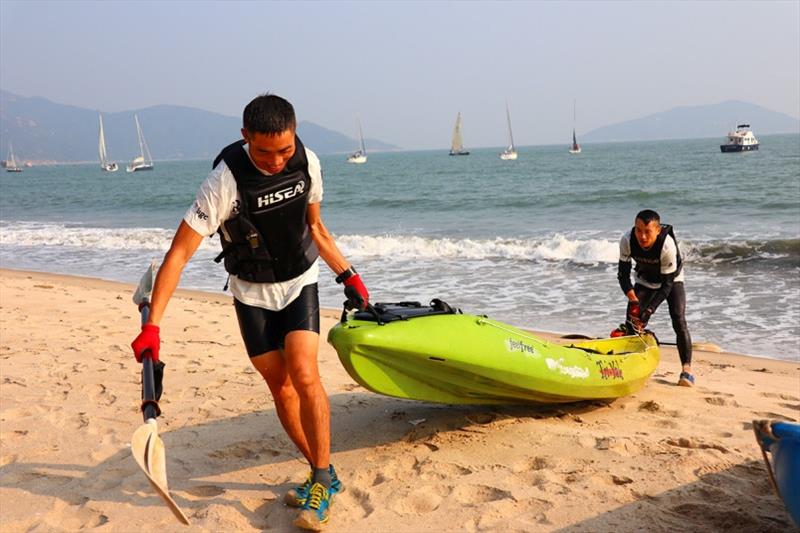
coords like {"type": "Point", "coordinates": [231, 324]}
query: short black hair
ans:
{"type": "Point", "coordinates": [648, 215]}
{"type": "Point", "coordinates": [270, 114]}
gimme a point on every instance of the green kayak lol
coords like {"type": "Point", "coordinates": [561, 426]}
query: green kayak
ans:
{"type": "Point", "coordinates": [438, 354]}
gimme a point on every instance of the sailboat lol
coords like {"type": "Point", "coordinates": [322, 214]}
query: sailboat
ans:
{"type": "Point", "coordinates": [510, 153]}
{"type": "Point", "coordinates": [11, 163]}
{"type": "Point", "coordinates": [575, 148]}
{"type": "Point", "coordinates": [457, 144]}
{"type": "Point", "coordinates": [360, 155]}
{"type": "Point", "coordinates": [143, 161]}
{"type": "Point", "coordinates": [105, 164]}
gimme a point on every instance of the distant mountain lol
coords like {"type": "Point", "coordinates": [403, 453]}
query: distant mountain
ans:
{"type": "Point", "coordinates": [42, 130]}
{"type": "Point", "coordinates": [696, 121]}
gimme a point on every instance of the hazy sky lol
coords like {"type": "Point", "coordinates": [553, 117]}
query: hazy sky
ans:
{"type": "Point", "coordinates": [409, 67]}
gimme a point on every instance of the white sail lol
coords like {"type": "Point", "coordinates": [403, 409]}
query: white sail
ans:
{"type": "Point", "coordinates": [510, 153]}
{"type": "Point", "coordinates": [11, 162]}
{"type": "Point", "coordinates": [360, 155]}
{"type": "Point", "coordinates": [105, 164]}
{"type": "Point", "coordinates": [457, 143]}
{"type": "Point", "coordinates": [143, 161]}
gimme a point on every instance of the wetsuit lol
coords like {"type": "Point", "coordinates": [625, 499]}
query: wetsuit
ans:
{"type": "Point", "coordinates": [659, 277]}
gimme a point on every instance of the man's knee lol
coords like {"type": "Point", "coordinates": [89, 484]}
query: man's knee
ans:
{"type": "Point", "coordinates": [679, 324]}
{"type": "Point", "coordinates": [305, 380]}
{"type": "Point", "coordinates": [271, 367]}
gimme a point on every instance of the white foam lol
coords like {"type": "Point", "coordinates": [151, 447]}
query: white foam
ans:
{"type": "Point", "coordinates": [555, 248]}
{"type": "Point", "coordinates": [39, 234]}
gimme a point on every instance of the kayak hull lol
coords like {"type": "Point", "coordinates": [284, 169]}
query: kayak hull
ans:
{"type": "Point", "coordinates": [469, 359]}
{"type": "Point", "coordinates": [782, 441]}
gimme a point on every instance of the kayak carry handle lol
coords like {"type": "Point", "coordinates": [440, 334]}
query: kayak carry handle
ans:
{"type": "Point", "coordinates": [356, 301]}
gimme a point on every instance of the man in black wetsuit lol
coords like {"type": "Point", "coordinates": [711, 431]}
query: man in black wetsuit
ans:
{"type": "Point", "coordinates": [659, 276]}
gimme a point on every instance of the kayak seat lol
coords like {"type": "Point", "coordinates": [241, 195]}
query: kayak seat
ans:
{"type": "Point", "coordinates": [392, 311]}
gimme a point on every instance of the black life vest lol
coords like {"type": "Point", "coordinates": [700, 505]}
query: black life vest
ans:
{"type": "Point", "coordinates": [648, 262]}
{"type": "Point", "coordinates": [268, 240]}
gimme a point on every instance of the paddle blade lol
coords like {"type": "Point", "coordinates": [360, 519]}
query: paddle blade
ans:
{"type": "Point", "coordinates": [148, 450]}
{"type": "Point", "coordinates": [145, 287]}
{"type": "Point", "coordinates": [157, 461]}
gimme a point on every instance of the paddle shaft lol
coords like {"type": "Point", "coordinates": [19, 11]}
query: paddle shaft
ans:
{"type": "Point", "coordinates": [148, 380]}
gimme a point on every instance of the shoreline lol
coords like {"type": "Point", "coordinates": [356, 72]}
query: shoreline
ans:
{"type": "Point", "coordinates": [221, 297]}
{"type": "Point", "coordinates": [665, 458]}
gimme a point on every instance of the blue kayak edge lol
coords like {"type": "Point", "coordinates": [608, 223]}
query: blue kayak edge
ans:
{"type": "Point", "coordinates": [782, 441]}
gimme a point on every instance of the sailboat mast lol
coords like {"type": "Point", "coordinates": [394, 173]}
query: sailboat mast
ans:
{"type": "Point", "coordinates": [573, 114]}
{"type": "Point", "coordinates": [139, 134]}
{"type": "Point", "coordinates": [361, 136]}
{"type": "Point", "coordinates": [510, 134]}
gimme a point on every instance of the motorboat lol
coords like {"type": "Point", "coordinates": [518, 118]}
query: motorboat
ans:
{"type": "Point", "coordinates": [740, 140]}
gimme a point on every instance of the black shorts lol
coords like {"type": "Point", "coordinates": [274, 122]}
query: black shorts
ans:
{"type": "Point", "coordinates": [264, 330]}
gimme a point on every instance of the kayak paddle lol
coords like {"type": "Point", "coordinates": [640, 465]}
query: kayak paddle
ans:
{"type": "Point", "coordinates": [146, 446]}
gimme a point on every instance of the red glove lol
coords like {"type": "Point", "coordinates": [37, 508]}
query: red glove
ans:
{"type": "Point", "coordinates": [634, 316]}
{"type": "Point", "coordinates": [148, 339]}
{"type": "Point", "coordinates": [355, 282]}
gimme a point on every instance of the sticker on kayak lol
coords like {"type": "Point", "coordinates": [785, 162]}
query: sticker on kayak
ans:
{"type": "Point", "coordinates": [513, 345]}
{"type": "Point", "coordinates": [610, 369]}
{"type": "Point", "coordinates": [571, 371]}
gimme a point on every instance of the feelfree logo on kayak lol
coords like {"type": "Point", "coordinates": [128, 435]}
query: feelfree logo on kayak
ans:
{"type": "Point", "coordinates": [513, 345]}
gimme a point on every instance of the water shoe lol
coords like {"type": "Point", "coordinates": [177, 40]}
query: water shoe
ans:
{"type": "Point", "coordinates": [297, 496]}
{"type": "Point", "coordinates": [315, 512]}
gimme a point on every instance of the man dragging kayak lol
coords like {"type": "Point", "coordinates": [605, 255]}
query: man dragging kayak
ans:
{"type": "Point", "coordinates": [263, 197]}
{"type": "Point", "coordinates": [659, 277]}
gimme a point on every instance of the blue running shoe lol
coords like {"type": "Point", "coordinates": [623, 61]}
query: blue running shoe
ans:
{"type": "Point", "coordinates": [297, 496]}
{"type": "Point", "coordinates": [315, 513]}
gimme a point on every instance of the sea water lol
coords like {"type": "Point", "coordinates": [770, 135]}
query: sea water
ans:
{"type": "Point", "coordinates": [532, 242]}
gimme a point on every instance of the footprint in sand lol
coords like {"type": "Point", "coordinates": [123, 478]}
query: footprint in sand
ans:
{"type": "Point", "coordinates": [441, 471]}
{"type": "Point", "coordinates": [109, 479]}
{"type": "Point", "coordinates": [362, 500]}
{"type": "Point", "coordinates": [423, 500]}
{"type": "Point", "coordinates": [666, 423]}
{"type": "Point", "coordinates": [708, 517]}
{"type": "Point", "coordinates": [9, 380]}
{"type": "Point", "coordinates": [529, 464]}
{"type": "Point", "coordinates": [477, 494]}
{"type": "Point", "coordinates": [683, 442]}
{"type": "Point", "coordinates": [779, 396]}
{"type": "Point", "coordinates": [205, 491]}
{"type": "Point", "coordinates": [715, 401]}
{"type": "Point", "coordinates": [776, 416]}
{"type": "Point", "coordinates": [102, 396]}
{"type": "Point", "coordinates": [650, 406]}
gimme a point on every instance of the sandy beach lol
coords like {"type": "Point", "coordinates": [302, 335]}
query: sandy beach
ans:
{"type": "Point", "coordinates": [664, 459]}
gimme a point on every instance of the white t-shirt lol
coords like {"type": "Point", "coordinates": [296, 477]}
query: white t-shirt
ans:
{"type": "Point", "coordinates": [218, 200]}
{"type": "Point", "coordinates": [669, 259]}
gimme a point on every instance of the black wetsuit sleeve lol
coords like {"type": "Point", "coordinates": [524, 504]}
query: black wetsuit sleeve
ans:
{"type": "Point", "coordinates": [624, 276]}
